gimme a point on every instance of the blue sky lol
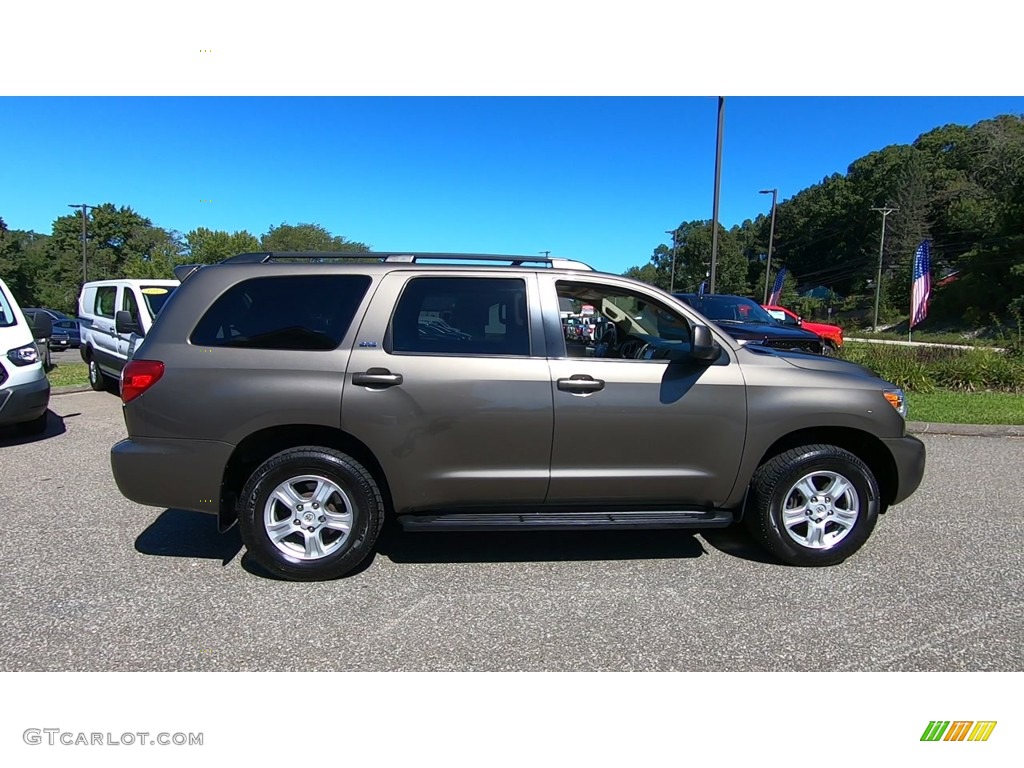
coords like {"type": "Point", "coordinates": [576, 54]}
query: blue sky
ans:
{"type": "Point", "coordinates": [596, 178]}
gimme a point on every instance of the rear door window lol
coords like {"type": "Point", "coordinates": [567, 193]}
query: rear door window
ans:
{"type": "Point", "coordinates": [462, 316]}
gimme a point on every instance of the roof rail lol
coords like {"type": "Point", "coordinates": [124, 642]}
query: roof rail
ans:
{"type": "Point", "coordinates": [400, 257]}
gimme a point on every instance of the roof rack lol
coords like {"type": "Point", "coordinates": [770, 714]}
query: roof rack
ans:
{"type": "Point", "coordinates": [400, 257]}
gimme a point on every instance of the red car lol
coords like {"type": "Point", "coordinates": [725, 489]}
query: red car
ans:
{"type": "Point", "coordinates": [831, 334]}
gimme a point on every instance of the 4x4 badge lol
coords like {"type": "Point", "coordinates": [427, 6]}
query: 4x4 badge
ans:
{"type": "Point", "coordinates": [367, 343]}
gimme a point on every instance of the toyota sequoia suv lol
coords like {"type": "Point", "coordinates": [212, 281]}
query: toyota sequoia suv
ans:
{"type": "Point", "coordinates": [308, 397]}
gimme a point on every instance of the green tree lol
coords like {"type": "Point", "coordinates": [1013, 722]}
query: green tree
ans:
{"type": "Point", "coordinates": [207, 246]}
{"type": "Point", "coordinates": [307, 237]}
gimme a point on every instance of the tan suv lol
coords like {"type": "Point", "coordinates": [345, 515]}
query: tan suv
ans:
{"type": "Point", "coordinates": [309, 396]}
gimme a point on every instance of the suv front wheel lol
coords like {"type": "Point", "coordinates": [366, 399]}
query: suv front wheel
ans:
{"type": "Point", "coordinates": [310, 514]}
{"type": "Point", "coordinates": [812, 505]}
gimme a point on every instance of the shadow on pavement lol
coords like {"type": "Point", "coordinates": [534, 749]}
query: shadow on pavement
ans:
{"type": "Point", "coordinates": [179, 533]}
{"type": "Point", "coordinates": [535, 546]}
{"type": "Point", "coordinates": [736, 542]}
{"type": "Point", "coordinates": [54, 426]}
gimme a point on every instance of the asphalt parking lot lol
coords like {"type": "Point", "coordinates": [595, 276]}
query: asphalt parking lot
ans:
{"type": "Point", "coordinates": [94, 582]}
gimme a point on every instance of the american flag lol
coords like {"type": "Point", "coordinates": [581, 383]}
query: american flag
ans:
{"type": "Point", "coordinates": [780, 278]}
{"type": "Point", "coordinates": [921, 288]}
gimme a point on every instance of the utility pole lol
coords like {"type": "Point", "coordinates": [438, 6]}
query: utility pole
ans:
{"type": "Point", "coordinates": [672, 283]}
{"type": "Point", "coordinates": [881, 247]}
{"type": "Point", "coordinates": [718, 186]}
{"type": "Point", "coordinates": [83, 206]}
{"type": "Point", "coordinates": [546, 253]}
{"type": "Point", "coordinates": [771, 238]}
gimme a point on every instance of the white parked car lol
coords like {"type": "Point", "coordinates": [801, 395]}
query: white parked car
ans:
{"type": "Point", "coordinates": [114, 315]}
{"type": "Point", "coordinates": [24, 388]}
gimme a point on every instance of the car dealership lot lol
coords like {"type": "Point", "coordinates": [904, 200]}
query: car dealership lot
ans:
{"type": "Point", "coordinates": [94, 582]}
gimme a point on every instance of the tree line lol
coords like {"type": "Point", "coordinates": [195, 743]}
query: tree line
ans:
{"type": "Point", "coordinates": [46, 270]}
{"type": "Point", "coordinates": [960, 187]}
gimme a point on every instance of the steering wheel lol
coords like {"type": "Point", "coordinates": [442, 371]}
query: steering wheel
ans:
{"type": "Point", "coordinates": [608, 346]}
{"type": "Point", "coordinates": [632, 349]}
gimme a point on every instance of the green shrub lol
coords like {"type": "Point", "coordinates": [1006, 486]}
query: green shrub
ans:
{"type": "Point", "coordinates": [921, 369]}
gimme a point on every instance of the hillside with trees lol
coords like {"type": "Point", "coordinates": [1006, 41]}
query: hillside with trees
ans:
{"type": "Point", "coordinates": [960, 187]}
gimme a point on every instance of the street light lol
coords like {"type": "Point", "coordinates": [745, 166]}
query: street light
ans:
{"type": "Point", "coordinates": [718, 187]}
{"type": "Point", "coordinates": [83, 206]}
{"type": "Point", "coordinates": [672, 283]}
{"type": "Point", "coordinates": [771, 237]}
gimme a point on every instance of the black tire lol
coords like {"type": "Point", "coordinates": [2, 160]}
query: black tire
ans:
{"type": "Point", "coordinates": [364, 504]}
{"type": "Point", "coordinates": [35, 427]}
{"type": "Point", "coordinates": [774, 484]}
{"type": "Point", "coordinates": [97, 379]}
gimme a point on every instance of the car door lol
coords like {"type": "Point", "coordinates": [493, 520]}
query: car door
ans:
{"type": "Point", "coordinates": [104, 337]}
{"type": "Point", "coordinates": [130, 304]}
{"type": "Point", "coordinates": [632, 426]}
{"type": "Point", "coordinates": [450, 390]}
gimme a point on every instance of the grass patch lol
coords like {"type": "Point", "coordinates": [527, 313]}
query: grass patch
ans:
{"type": "Point", "coordinates": [69, 374]}
{"type": "Point", "coordinates": [946, 407]}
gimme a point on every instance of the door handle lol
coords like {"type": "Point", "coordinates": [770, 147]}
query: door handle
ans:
{"type": "Point", "coordinates": [580, 383]}
{"type": "Point", "coordinates": [377, 377]}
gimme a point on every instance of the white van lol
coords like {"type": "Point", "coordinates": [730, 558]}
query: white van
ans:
{"type": "Point", "coordinates": [114, 315]}
{"type": "Point", "coordinates": [24, 388]}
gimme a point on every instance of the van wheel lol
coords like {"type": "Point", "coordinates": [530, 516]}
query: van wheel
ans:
{"type": "Point", "coordinates": [310, 514]}
{"type": "Point", "coordinates": [813, 505]}
{"type": "Point", "coordinates": [96, 378]}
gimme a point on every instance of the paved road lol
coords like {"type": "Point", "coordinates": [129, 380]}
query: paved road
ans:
{"type": "Point", "coordinates": [93, 582]}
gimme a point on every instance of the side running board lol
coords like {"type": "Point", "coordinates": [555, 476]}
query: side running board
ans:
{"type": "Point", "coordinates": [564, 521]}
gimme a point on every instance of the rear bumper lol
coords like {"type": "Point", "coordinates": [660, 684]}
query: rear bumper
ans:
{"type": "Point", "coordinates": [24, 402]}
{"type": "Point", "coordinates": [178, 474]}
{"type": "Point", "coordinates": [909, 454]}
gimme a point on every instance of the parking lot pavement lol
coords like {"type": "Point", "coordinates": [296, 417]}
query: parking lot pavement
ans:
{"type": "Point", "coordinates": [94, 582]}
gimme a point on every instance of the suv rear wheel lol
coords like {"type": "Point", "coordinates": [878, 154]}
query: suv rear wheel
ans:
{"type": "Point", "coordinates": [812, 505]}
{"type": "Point", "coordinates": [310, 514]}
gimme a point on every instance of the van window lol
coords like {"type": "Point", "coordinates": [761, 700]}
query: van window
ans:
{"type": "Point", "coordinates": [130, 304]}
{"type": "Point", "coordinates": [106, 300]}
{"type": "Point", "coordinates": [156, 296]}
{"type": "Point", "coordinates": [6, 312]}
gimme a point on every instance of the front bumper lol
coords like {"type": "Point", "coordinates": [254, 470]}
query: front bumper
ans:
{"type": "Point", "coordinates": [178, 474]}
{"type": "Point", "coordinates": [909, 454]}
{"type": "Point", "coordinates": [24, 402]}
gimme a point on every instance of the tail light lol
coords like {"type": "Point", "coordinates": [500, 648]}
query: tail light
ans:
{"type": "Point", "coordinates": [138, 376]}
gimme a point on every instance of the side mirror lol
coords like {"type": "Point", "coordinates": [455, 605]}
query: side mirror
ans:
{"type": "Point", "coordinates": [41, 325]}
{"type": "Point", "coordinates": [124, 323]}
{"type": "Point", "coordinates": [703, 347]}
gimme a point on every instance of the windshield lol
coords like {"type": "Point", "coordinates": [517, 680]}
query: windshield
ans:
{"type": "Point", "coordinates": [156, 296]}
{"type": "Point", "coordinates": [7, 318]}
{"type": "Point", "coordinates": [734, 308]}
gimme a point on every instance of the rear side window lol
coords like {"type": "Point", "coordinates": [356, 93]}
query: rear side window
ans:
{"type": "Point", "coordinates": [106, 300]}
{"type": "Point", "coordinates": [303, 312]}
{"type": "Point", "coordinates": [462, 316]}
